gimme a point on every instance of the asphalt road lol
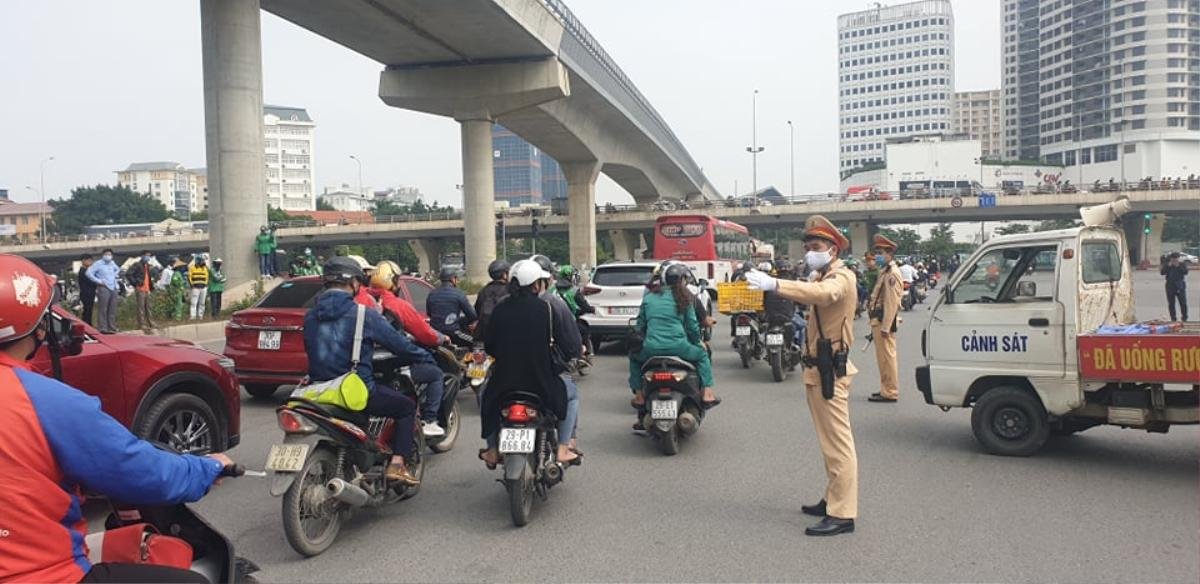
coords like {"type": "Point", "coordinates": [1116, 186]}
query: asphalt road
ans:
{"type": "Point", "coordinates": [1107, 505]}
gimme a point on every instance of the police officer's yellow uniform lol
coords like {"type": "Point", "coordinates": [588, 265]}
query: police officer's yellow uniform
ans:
{"type": "Point", "coordinates": [884, 310]}
{"type": "Point", "coordinates": [833, 297]}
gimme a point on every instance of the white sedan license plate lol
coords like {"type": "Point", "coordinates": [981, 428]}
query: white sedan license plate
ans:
{"type": "Point", "coordinates": [269, 340]}
{"type": "Point", "coordinates": [742, 331]}
{"type": "Point", "coordinates": [623, 311]}
{"type": "Point", "coordinates": [517, 440]}
{"type": "Point", "coordinates": [664, 410]}
{"type": "Point", "coordinates": [775, 339]}
{"type": "Point", "coordinates": [287, 457]}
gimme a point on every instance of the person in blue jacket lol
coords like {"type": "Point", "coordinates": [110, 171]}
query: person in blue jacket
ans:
{"type": "Point", "coordinates": [55, 442]}
{"type": "Point", "coordinates": [329, 343]}
{"type": "Point", "coordinates": [450, 313]}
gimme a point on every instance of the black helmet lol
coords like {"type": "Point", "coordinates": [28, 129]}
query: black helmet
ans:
{"type": "Point", "coordinates": [449, 273]}
{"type": "Point", "coordinates": [497, 269]}
{"type": "Point", "coordinates": [544, 262]}
{"type": "Point", "coordinates": [782, 266]}
{"type": "Point", "coordinates": [343, 270]}
{"type": "Point", "coordinates": [675, 273]}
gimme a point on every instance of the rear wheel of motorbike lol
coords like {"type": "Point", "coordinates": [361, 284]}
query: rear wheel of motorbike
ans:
{"type": "Point", "coordinates": [777, 372]}
{"type": "Point", "coordinates": [312, 519]}
{"type": "Point", "coordinates": [520, 498]}
{"type": "Point", "coordinates": [445, 443]}
{"type": "Point", "coordinates": [744, 353]}
{"type": "Point", "coordinates": [668, 442]}
{"type": "Point", "coordinates": [416, 466]}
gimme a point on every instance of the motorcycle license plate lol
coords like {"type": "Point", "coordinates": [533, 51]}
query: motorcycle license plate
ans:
{"type": "Point", "coordinates": [774, 338]}
{"type": "Point", "coordinates": [269, 340]}
{"type": "Point", "coordinates": [477, 371]}
{"type": "Point", "coordinates": [517, 440]}
{"type": "Point", "coordinates": [742, 331]}
{"type": "Point", "coordinates": [664, 410]}
{"type": "Point", "coordinates": [287, 457]}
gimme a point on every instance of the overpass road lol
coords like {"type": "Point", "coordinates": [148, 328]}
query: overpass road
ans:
{"type": "Point", "coordinates": [1107, 505]}
{"type": "Point", "coordinates": [862, 217]}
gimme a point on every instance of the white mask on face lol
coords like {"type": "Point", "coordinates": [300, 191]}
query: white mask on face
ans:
{"type": "Point", "coordinates": [107, 258]}
{"type": "Point", "coordinates": [817, 260]}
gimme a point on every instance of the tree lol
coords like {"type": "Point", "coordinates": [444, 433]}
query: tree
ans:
{"type": "Point", "coordinates": [1185, 229]}
{"type": "Point", "coordinates": [907, 240]}
{"type": "Point", "coordinates": [104, 204]}
{"type": "Point", "coordinates": [386, 208]}
{"type": "Point", "coordinates": [1012, 228]}
{"type": "Point", "coordinates": [323, 205]}
{"type": "Point", "coordinates": [1056, 224]}
{"type": "Point", "coordinates": [941, 241]}
{"type": "Point", "coordinates": [275, 215]}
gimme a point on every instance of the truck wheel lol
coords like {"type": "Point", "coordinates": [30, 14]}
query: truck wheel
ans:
{"type": "Point", "coordinates": [185, 423]}
{"type": "Point", "coordinates": [260, 390]}
{"type": "Point", "coordinates": [1009, 421]}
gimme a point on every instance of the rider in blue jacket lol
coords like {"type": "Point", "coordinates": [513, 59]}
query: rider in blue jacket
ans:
{"type": "Point", "coordinates": [450, 313]}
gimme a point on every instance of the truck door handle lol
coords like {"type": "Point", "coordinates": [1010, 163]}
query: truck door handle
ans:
{"type": "Point", "coordinates": [1039, 322]}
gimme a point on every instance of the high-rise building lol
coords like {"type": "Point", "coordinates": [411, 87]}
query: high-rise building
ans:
{"type": "Point", "coordinates": [288, 140]}
{"type": "Point", "coordinates": [1108, 89]}
{"type": "Point", "coordinates": [517, 168]}
{"type": "Point", "coordinates": [895, 77]}
{"type": "Point", "coordinates": [554, 182]}
{"type": "Point", "coordinates": [977, 115]}
{"type": "Point", "coordinates": [169, 182]}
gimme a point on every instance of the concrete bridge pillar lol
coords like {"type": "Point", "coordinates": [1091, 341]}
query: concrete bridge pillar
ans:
{"type": "Point", "coordinates": [428, 252]}
{"type": "Point", "coordinates": [231, 45]}
{"type": "Point", "coordinates": [1143, 246]}
{"type": "Point", "coordinates": [860, 236]}
{"type": "Point", "coordinates": [626, 244]}
{"type": "Point", "coordinates": [581, 210]}
{"type": "Point", "coordinates": [795, 250]}
{"type": "Point", "coordinates": [479, 198]}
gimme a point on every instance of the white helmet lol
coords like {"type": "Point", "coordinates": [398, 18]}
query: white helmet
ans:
{"type": "Point", "coordinates": [526, 272]}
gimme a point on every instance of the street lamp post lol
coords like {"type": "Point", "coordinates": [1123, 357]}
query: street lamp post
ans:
{"type": "Point", "coordinates": [360, 187]}
{"type": "Point", "coordinates": [792, 141]}
{"type": "Point", "coordinates": [42, 210]}
{"type": "Point", "coordinates": [754, 149]}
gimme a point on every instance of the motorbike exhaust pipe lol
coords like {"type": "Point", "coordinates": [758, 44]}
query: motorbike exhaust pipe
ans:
{"type": "Point", "coordinates": [348, 493]}
{"type": "Point", "coordinates": [554, 473]}
{"type": "Point", "coordinates": [688, 424]}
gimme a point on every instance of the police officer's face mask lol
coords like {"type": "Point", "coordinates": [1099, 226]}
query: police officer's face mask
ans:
{"type": "Point", "coordinates": [880, 259]}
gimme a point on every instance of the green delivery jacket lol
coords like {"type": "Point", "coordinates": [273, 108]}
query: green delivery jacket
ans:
{"type": "Point", "coordinates": [264, 243]}
{"type": "Point", "coordinates": [668, 331]}
{"type": "Point", "coordinates": [216, 281]}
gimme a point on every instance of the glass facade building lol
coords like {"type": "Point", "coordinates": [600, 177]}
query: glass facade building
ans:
{"type": "Point", "coordinates": [523, 174]}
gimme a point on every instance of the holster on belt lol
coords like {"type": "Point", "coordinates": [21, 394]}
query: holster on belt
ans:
{"type": "Point", "coordinates": [825, 366]}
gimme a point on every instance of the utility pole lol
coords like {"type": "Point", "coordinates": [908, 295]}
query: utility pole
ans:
{"type": "Point", "coordinates": [42, 210]}
{"type": "Point", "coordinates": [792, 139]}
{"type": "Point", "coordinates": [359, 161]}
{"type": "Point", "coordinates": [754, 149]}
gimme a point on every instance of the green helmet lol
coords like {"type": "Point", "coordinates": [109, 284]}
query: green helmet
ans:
{"type": "Point", "coordinates": [566, 271]}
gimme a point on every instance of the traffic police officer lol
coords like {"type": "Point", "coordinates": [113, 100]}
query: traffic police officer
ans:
{"type": "Point", "coordinates": [884, 310]}
{"type": "Point", "coordinates": [832, 292]}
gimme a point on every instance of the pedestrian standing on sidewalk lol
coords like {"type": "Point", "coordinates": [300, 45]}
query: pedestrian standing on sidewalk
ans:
{"type": "Point", "coordinates": [104, 274]}
{"type": "Point", "coordinates": [197, 277]}
{"type": "Point", "coordinates": [265, 246]}
{"type": "Point", "coordinates": [87, 288]}
{"type": "Point", "coordinates": [141, 276]}
{"type": "Point", "coordinates": [177, 290]}
{"type": "Point", "coordinates": [216, 287]}
{"type": "Point", "coordinates": [1175, 270]}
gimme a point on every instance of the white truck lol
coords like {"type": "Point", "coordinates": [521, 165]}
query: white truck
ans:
{"type": "Point", "coordinates": [1016, 335]}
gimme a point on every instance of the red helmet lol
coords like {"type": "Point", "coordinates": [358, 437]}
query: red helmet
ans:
{"type": "Point", "coordinates": [25, 296]}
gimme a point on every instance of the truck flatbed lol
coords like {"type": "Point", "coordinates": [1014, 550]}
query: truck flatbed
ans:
{"type": "Point", "coordinates": [1169, 357]}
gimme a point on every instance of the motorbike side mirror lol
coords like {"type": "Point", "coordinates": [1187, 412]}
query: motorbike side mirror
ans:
{"type": "Point", "coordinates": [73, 343]}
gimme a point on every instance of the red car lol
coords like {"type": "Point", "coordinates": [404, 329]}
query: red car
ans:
{"type": "Point", "coordinates": [170, 391]}
{"type": "Point", "coordinates": [266, 341]}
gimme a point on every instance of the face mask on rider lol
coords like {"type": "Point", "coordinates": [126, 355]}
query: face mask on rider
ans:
{"type": "Point", "coordinates": [817, 260]}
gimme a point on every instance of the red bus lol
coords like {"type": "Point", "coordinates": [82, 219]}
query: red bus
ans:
{"type": "Point", "coordinates": [711, 247]}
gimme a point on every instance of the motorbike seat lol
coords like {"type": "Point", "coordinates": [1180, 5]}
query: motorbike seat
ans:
{"type": "Point", "coordinates": [359, 419]}
{"type": "Point", "coordinates": [667, 362]}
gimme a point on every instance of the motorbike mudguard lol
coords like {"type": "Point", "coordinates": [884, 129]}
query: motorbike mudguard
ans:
{"type": "Point", "coordinates": [514, 466]}
{"type": "Point", "coordinates": [281, 481]}
{"type": "Point", "coordinates": [452, 386]}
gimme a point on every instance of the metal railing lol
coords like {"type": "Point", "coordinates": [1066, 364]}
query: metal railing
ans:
{"type": "Point", "coordinates": [632, 98]}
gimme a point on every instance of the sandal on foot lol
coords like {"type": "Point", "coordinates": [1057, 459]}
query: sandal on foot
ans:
{"type": "Point", "coordinates": [490, 465]}
{"type": "Point", "coordinates": [708, 405]}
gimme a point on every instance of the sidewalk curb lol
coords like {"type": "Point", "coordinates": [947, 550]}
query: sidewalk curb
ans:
{"type": "Point", "coordinates": [203, 332]}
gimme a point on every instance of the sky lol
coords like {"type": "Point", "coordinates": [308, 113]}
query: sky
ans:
{"type": "Point", "coordinates": [98, 85]}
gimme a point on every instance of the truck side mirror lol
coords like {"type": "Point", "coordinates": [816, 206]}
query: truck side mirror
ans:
{"type": "Point", "coordinates": [1027, 289]}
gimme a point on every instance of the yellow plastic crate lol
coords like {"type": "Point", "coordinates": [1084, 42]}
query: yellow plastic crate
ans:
{"type": "Point", "coordinates": [738, 297]}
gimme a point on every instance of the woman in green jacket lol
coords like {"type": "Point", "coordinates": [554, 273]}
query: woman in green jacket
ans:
{"type": "Point", "coordinates": [667, 322]}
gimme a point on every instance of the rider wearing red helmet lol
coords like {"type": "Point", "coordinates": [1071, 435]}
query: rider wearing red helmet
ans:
{"type": "Point", "coordinates": [55, 441]}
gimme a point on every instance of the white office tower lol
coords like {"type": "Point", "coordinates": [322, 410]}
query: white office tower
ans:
{"type": "Point", "coordinates": [977, 116]}
{"type": "Point", "coordinates": [895, 77]}
{"type": "Point", "coordinates": [288, 140]}
{"type": "Point", "coordinates": [1110, 90]}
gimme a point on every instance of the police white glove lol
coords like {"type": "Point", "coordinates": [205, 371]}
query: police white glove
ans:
{"type": "Point", "coordinates": [761, 281]}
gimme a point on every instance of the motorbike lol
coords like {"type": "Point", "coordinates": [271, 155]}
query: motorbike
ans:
{"type": "Point", "coordinates": [907, 300]}
{"type": "Point", "coordinates": [478, 369]}
{"type": "Point", "coordinates": [933, 280]}
{"type": "Point", "coordinates": [529, 444]}
{"type": "Point", "coordinates": [674, 404]}
{"type": "Point", "coordinates": [782, 353]}
{"type": "Point", "coordinates": [747, 337]}
{"type": "Point", "coordinates": [333, 462]}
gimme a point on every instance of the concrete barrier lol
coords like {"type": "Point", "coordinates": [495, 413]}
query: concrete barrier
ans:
{"type": "Point", "coordinates": [199, 332]}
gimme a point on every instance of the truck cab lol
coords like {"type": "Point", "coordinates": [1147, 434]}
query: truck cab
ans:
{"type": "Point", "coordinates": [1005, 338]}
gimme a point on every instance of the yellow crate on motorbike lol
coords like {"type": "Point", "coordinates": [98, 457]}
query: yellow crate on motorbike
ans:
{"type": "Point", "coordinates": [738, 297]}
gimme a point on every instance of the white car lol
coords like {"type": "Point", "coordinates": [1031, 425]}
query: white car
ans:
{"type": "Point", "coordinates": [615, 291]}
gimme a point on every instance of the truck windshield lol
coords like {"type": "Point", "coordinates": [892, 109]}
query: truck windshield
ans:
{"type": "Point", "coordinates": [992, 278]}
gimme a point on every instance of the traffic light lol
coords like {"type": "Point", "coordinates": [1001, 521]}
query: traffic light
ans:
{"type": "Point", "coordinates": [1146, 223]}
